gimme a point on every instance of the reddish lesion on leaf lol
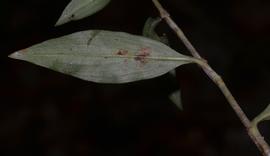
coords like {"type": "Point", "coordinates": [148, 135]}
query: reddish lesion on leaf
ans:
{"type": "Point", "coordinates": [142, 55]}
{"type": "Point", "coordinates": [122, 52]}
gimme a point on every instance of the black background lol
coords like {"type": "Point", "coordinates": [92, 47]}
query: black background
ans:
{"type": "Point", "coordinates": [45, 113]}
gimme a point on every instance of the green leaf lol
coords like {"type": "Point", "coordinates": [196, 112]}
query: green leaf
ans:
{"type": "Point", "coordinates": [78, 9]}
{"type": "Point", "coordinates": [265, 115]}
{"type": "Point", "coordinates": [149, 30]}
{"type": "Point", "coordinates": [175, 97]}
{"type": "Point", "coordinates": [104, 56]}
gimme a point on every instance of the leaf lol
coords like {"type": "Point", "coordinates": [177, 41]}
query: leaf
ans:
{"type": "Point", "coordinates": [265, 115]}
{"type": "Point", "coordinates": [78, 9]}
{"type": "Point", "coordinates": [149, 30]}
{"type": "Point", "coordinates": [104, 56]}
{"type": "Point", "coordinates": [175, 97]}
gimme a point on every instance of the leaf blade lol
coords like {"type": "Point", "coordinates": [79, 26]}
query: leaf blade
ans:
{"type": "Point", "coordinates": [104, 56]}
{"type": "Point", "coordinates": [78, 9]}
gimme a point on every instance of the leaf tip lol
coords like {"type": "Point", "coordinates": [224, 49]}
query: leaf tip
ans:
{"type": "Point", "coordinates": [15, 55]}
{"type": "Point", "coordinates": [61, 21]}
{"type": "Point", "coordinates": [64, 18]}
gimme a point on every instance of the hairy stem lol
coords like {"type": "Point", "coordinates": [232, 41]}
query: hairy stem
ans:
{"type": "Point", "coordinates": [254, 135]}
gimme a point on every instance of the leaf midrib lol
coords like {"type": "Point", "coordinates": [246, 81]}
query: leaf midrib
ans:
{"type": "Point", "coordinates": [158, 58]}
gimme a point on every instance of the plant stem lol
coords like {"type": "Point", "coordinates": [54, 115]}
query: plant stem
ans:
{"type": "Point", "coordinates": [254, 135]}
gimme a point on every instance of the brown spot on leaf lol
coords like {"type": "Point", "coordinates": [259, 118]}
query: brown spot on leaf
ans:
{"type": "Point", "coordinates": [72, 16]}
{"type": "Point", "coordinates": [145, 49]}
{"type": "Point", "coordinates": [142, 55]}
{"type": "Point", "coordinates": [122, 52]}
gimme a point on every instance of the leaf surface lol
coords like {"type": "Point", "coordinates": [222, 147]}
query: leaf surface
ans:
{"type": "Point", "coordinates": [104, 56]}
{"type": "Point", "coordinates": [78, 9]}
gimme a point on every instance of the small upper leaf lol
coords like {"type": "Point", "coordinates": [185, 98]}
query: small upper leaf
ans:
{"type": "Point", "coordinates": [78, 9]}
{"type": "Point", "coordinates": [149, 30]}
{"type": "Point", "coordinates": [104, 56]}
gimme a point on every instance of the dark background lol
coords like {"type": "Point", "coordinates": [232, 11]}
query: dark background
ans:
{"type": "Point", "coordinates": [45, 113]}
